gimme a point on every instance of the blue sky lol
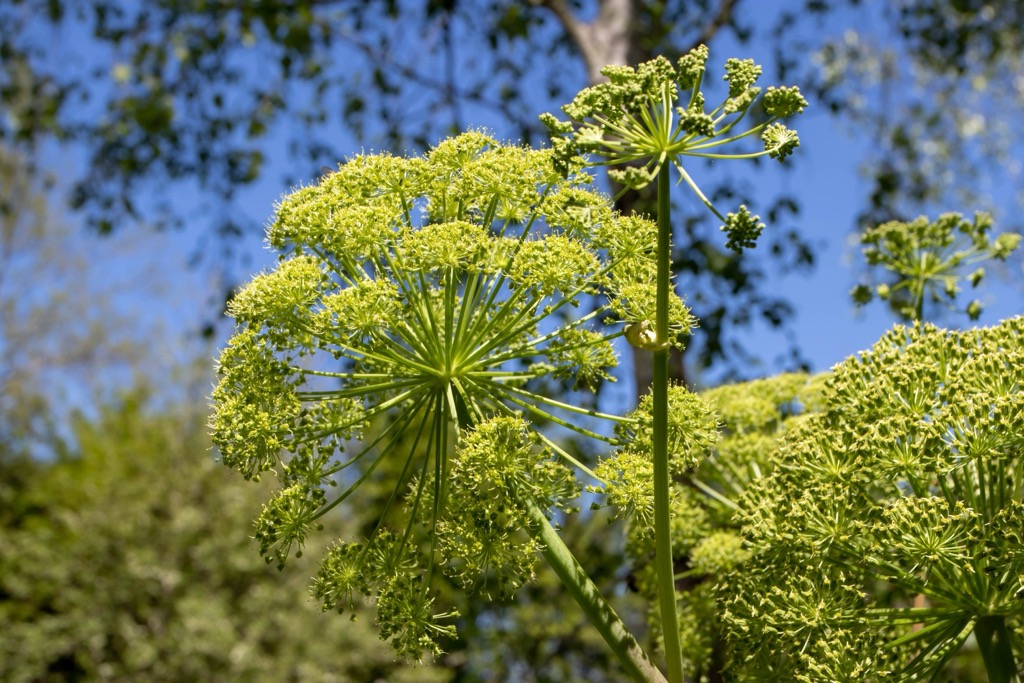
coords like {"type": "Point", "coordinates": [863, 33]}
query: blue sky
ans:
{"type": "Point", "coordinates": [169, 297]}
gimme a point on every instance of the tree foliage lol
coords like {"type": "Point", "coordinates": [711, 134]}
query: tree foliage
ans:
{"type": "Point", "coordinates": [201, 93]}
{"type": "Point", "coordinates": [205, 92]}
{"type": "Point", "coordinates": [937, 93]}
{"type": "Point", "coordinates": [59, 327]}
{"type": "Point", "coordinates": [122, 559]}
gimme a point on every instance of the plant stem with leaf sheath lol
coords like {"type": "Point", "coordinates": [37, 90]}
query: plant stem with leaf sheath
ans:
{"type": "Point", "coordinates": [588, 597]}
{"type": "Point", "coordinates": [664, 568]}
{"type": "Point", "coordinates": [994, 643]}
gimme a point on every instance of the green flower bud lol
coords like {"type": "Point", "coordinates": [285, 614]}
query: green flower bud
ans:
{"type": "Point", "coordinates": [743, 229]}
{"type": "Point", "coordinates": [779, 141]}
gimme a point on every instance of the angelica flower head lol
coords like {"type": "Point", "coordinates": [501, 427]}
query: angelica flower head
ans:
{"type": "Point", "coordinates": [731, 432]}
{"type": "Point", "coordinates": [417, 300]}
{"type": "Point", "coordinates": [907, 481]}
{"type": "Point", "coordinates": [926, 261]}
{"type": "Point", "coordinates": [653, 115]}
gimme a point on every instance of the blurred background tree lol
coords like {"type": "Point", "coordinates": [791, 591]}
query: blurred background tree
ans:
{"type": "Point", "coordinates": [122, 559]}
{"type": "Point", "coordinates": [938, 87]}
{"type": "Point", "coordinates": [122, 556]}
{"type": "Point", "coordinates": [213, 99]}
{"type": "Point", "coordinates": [43, 328]}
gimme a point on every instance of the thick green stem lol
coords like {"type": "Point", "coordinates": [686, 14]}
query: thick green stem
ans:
{"type": "Point", "coordinates": [994, 643]}
{"type": "Point", "coordinates": [664, 567]}
{"type": "Point", "coordinates": [588, 597]}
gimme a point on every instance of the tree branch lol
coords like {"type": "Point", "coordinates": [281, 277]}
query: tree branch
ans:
{"type": "Point", "coordinates": [604, 41]}
{"type": "Point", "coordinates": [723, 17]}
{"type": "Point", "coordinates": [445, 88]}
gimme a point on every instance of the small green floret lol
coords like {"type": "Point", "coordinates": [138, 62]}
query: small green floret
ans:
{"type": "Point", "coordinates": [555, 262]}
{"type": "Point", "coordinates": [691, 67]}
{"type": "Point", "coordinates": [364, 312]}
{"type": "Point", "coordinates": [783, 101]}
{"type": "Point", "coordinates": [697, 123]}
{"type": "Point", "coordinates": [454, 245]}
{"type": "Point", "coordinates": [255, 405]}
{"type": "Point", "coordinates": [583, 356]}
{"type": "Point", "coordinates": [342, 579]}
{"type": "Point", "coordinates": [580, 213]}
{"type": "Point", "coordinates": [692, 428]}
{"type": "Point", "coordinates": [632, 177]}
{"type": "Point", "coordinates": [277, 297]}
{"type": "Point", "coordinates": [484, 535]}
{"type": "Point", "coordinates": [693, 431]}
{"type": "Point", "coordinates": [743, 229]}
{"type": "Point", "coordinates": [286, 521]}
{"type": "Point", "coordinates": [741, 74]}
{"type": "Point", "coordinates": [779, 141]}
{"type": "Point", "coordinates": [407, 617]}
{"type": "Point", "coordinates": [718, 553]}
{"type": "Point", "coordinates": [637, 305]}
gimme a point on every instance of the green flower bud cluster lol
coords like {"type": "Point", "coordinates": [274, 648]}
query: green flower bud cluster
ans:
{"type": "Point", "coordinates": [743, 229]}
{"type": "Point", "coordinates": [479, 530]}
{"type": "Point", "coordinates": [636, 120]}
{"type": "Point", "coordinates": [417, 307]}
{"type": "Point", "coordinates": [753, 416]}
{"type": "Point", "coordinates": [385, 568]}
{"type": "Point", "coordinates": [692, 430]}
{"type": "Point", "coordinates": [720, 442]}
{"type": "Point", "coordinates": [906, 482]}
{"type": "Point", "coordinates": [484, 532]}
{"type": "Point", "coordinates": [926, 261]}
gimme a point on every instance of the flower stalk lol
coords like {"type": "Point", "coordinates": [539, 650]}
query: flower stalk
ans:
{"type": "Point", "coordinates": [664, 563]}
{"type": "Point", "coordinates": [994, 642]}
{"type": "Point", "coordinates": [575, 578]}
{"type": "Point", "coordinates": [638, 120]}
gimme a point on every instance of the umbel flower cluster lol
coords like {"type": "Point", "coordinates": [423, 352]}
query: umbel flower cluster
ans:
{"type": "Point", "coordinates": [858, 525]}
{"type": "Point", "coordinates": [646, 118]}
{"type": "Point", "coordinates": [926, 260]}
{"type": "Point", "coordinates": [731, 432]}
{"type": "Point", "coordinates": [418, 309]}
{"type": "Point", "coordinates": [889, 530]}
